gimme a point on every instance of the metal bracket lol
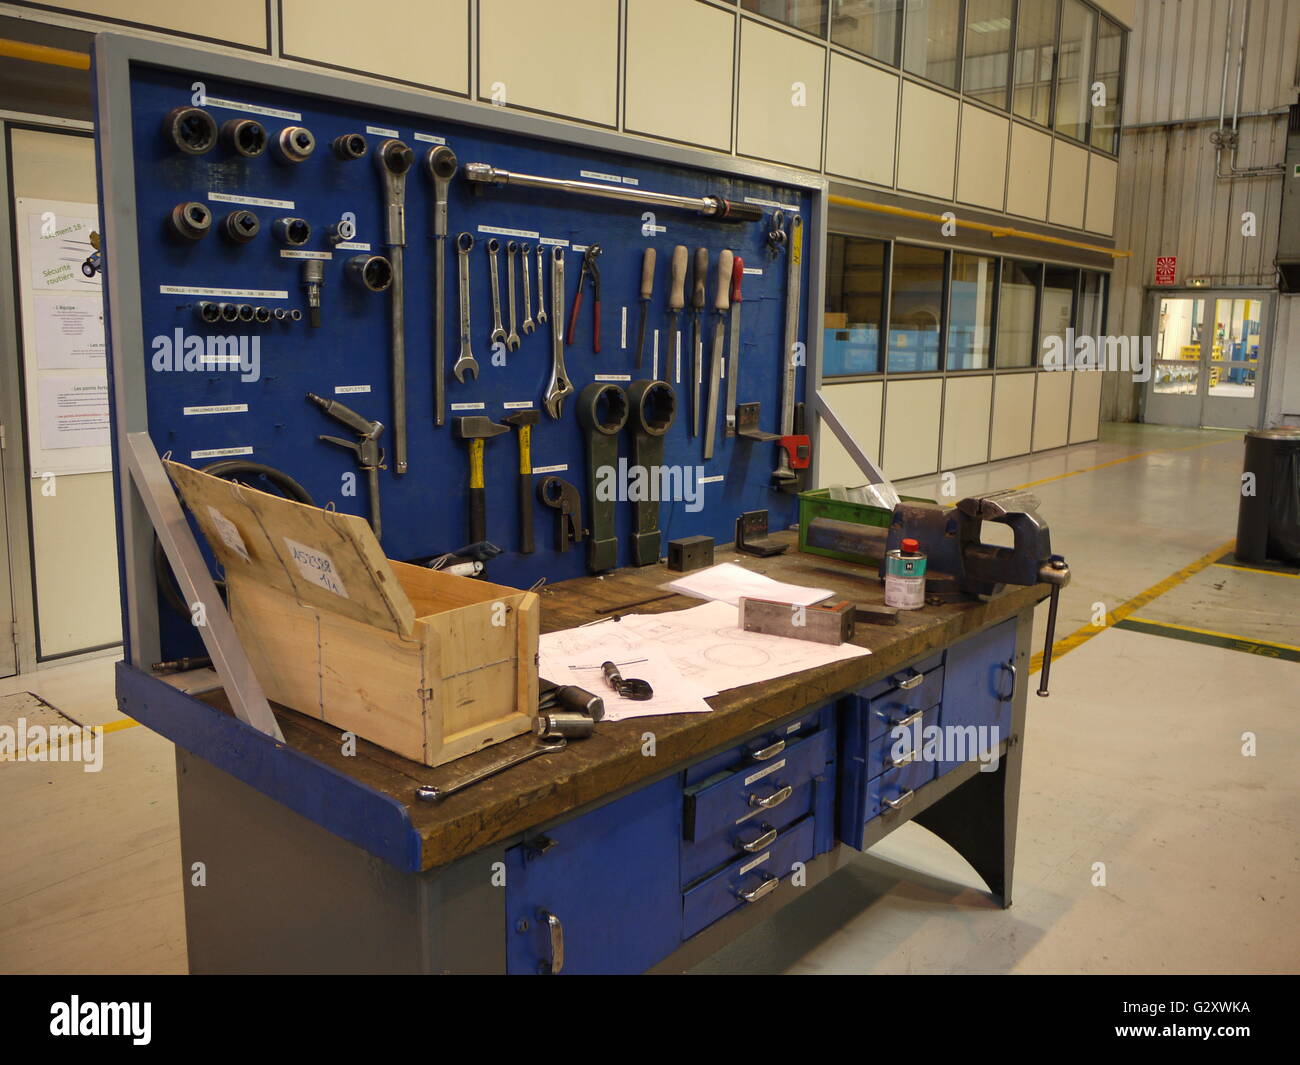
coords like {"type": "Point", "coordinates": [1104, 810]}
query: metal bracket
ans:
{"type": "Point", "coordinates": [247, 698]}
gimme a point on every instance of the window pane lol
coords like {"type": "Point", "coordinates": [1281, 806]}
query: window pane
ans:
{"type": "Point", "coordinates": [1074, 70]}
{"type": "Point", "coordinates": [988, 50]}
{"type": "Point", "coordinates": [915, 309]}
{"type": "Point", "coordinates": [1016, 313]}
{"type": "Point", "coordinates": [867, 26]}
{"type": "Point", "coordinates": [1110, 53]}
{"type": "Point", "coordinates": [1055, 316]}
{"type": "Point", "coordinates": [1235, 352]}
{"type": "Point", "coordinates": [1092, 304]}
{"type": "Point", "coordinates": [806, 15]}
{"type": "Point", "coordinates": [931, 39]}
{"type": "Point", "coordinates": [1035, 57]}
{"type": "Point", "coordinates": [855, 296]}
{"type": "Point", "coordinates": [1178, 347]}
{"type": "Point", "coordinates": [970, 312]}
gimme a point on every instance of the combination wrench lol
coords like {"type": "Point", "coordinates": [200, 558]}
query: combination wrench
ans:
{"type": "Point", "coordinates": [560, 385]}
{"type": "Point", "coordinates": [512, 253]}
{"type": "Point", "coordinates": [541, 289]}
{"type": "Point", "coordinates": [466, 363]}
{"type": "Point", "coordinates": [525, 252]}
{"type": "Point", "coordinates": [494, 271]}
{"type": "Point", "coordinates": [442, 165]}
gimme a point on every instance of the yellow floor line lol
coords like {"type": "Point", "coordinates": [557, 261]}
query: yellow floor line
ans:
{"type": "Point", "coordinates": [112, 726]}
{"type": "Point", "coordinates": [1252, 569]}
{"type": "Point", "coordinates": [1127, 608]}
{"type": "Point", "coordinates": [1116, 462]}
{"type": "Point", "coordinates": [1214, 632]}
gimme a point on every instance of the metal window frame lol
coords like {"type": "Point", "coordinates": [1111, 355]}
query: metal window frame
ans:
{"type": "Point", "coordinates": [1056, 56]}
{"type": "Point", "coordinates": [1005, 106]}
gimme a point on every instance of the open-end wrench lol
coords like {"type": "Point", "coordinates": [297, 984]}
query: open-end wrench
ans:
{"type": "Point", "coordinates": [466, 363]}
{"type": "Point", "coordinates": [525, 253]}
{"type": "Point", "coordinates": [541, 289]}
{"type": "Point", "coordinates": [494, 269]}
{"type": "Point", "coordinates": [560, 385]}
{"type": "Point", "coordinates": [512, 253]}
{"type": "Point", "coordinates": [431, 793]}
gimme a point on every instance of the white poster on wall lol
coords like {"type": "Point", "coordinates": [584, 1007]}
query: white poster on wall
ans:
{"type": "Point", "coordinates": [60, 275]}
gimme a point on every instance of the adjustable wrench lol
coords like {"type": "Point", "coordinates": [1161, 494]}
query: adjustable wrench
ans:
{"type": "Point", "coordinates": [512, 253]}
{"type": "Point", "coordinates": [466, 363]}
{"type": "Point", "coordinates": [525, 252]}
{"type": "Point", "coordinates": [541, 289]}
{"type": "Point", "coordinates": [394, 159]}
{"type": "Point", "coordinates": [560, 385]}
{"type": "Point", "coordinates": [493, 248]}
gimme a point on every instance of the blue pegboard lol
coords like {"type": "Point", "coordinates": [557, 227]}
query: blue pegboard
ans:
{"type": "Point", "coordinates": [424, 511]}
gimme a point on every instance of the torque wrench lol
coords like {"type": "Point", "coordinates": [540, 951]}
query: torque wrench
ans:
{"type": "Point", "coordinates": [512, 255]}
{"type": "Point", "coordinates": [394, 159]}
{"type": "Point", "coordinates": [442, 168]}
{"type": "Point", "coordinates": [676, 301]}
{"type": "Point", "coordinates": [783, 476]}
{"type": "Point", "coordinates": [466, 363]}
{"type": "Point", "coordinates": [494, 272]}
{"type": "Point", "coordinates": [541, 290]}
{"type": "Point", "coordinates": [431, 793]}
{"type": "Point", "coordinates": [711, 206]}
{"type": "Point", "coordinates": [525, 255]}
{"type": "Point", "coordinates": [720, 305]}
{"type": "Point", "coordinates": [699, 276]}
{"type": "Point", "coordinates": [560, 385]}
{"type": "Point", "coordinates": [647, 290]}
{"type": "Point", "coordinates": [733, 359]}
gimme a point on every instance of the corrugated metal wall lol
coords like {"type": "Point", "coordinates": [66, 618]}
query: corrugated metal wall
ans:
{"type": "Point", "coordinates": [1168, 199]}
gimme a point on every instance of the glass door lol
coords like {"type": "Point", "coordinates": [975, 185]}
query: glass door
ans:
{"type": "Point", "coordinates": [1174, 390]}
{"type": "Point", "coordinates": [1231, 399]}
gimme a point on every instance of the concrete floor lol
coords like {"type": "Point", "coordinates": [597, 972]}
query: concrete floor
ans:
{"type": "Point", "coordinates": [1148, 842]}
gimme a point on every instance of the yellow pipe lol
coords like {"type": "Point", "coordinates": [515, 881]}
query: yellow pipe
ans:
{"type": "Point", "coordinates": [983, 227]}
{"type": "Point", "coordinates": [39, 53]}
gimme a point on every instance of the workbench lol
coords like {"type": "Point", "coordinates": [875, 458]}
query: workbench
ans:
{"type": "Point", "coordinates": [618, 853]}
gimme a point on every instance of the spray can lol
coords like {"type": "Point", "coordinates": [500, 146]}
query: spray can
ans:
{"type": "Point", "coordinates": [905, 576]}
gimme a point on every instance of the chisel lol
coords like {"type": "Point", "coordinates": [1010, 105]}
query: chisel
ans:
{"type": "Point", "coordinates": [647, 290]}
{"type": "Point", "coordinates": [720, 305]}
{"type": "Point", "coordinates": [699, 277]}
{"type": "Point", "coordinates": [676, 301]}
{"type": "Point", "coordinates": [733, 360]}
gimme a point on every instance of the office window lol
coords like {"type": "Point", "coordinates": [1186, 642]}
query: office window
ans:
{"type": "Point", "coordinates": [1017, 300]}
{"type": "Point", "coordinates": [1056, 316]}
{"type": "Point", "coordinates": [806, 15]}
{"type": "Point", "coordinates": [855, 301]}
{"type": "Point", "coordinates": [1035, 60]}
{"type": "Point", "coordinates": [867, 26]}
{"type": "Point", "coordinates": [970, 312]}
{"type": "Point", "coordinates": [915, 309]}
{"type": "Point", "coordinates": [1110, 59]}
{"type": "Point", "coordinates": [932, 39]}
{"type": "Point", "coordinates": [987, 62]}
{"type": "Point", "coordinates": [1090, 320]}
{"type": "Point", "coordinates": [1074, 69]}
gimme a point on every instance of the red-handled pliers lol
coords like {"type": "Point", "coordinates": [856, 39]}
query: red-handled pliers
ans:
{"type": "Point", "coordinates": [590, 269]}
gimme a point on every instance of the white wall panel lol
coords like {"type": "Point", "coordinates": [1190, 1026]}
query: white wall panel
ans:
{"type": "Point", "coordinates": [857, 405]}
{"type": "Point", "coordinates": [861, 121]}
{"type": "Point", "coordinates": [563, 63]}
{"type": "Point", "coordinates": [927, 142]}
{"type": "Point", "coordinates": [343, 35]}
{"type": "Point", "coordinates": [780, 93]}
{"type": "Point", "coordinates": [1085, 406]}
{"type": "Point", "coordinates": [232, 21]}
{"type": "Point", "coordinates": [912, 427]}
{"type": "Point", "coordinates": [659, 100]}
{"type": "Point", "coordinates": [982, 163]}
{"type": "Point", "coordinates": [967, 404]}
{"type": "Point", "coordinates": [1052, 409]}
{"type": "Point", "coordinates": [1069, 180]}
{"type": "Point", "coordinates": [1100, 216]}
{"type": "Point", "coordinates": [1013, 412]}
{"type": "Point", "coordinates": [1031, 157]}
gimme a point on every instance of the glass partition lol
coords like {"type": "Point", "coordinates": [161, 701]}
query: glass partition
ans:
{"type": "Point", "coordinates": [970, 312]}
{"type": "Point", "coordinates": [932, 39]}
{"type": "Point", "coordinates": [1017, 301]}
{"type": "Point", "coordinates": [987, 63]}
{"type": "Point", "coordinates": [1035, 60]}
{"type": "Point", "coordinates": [868, 26]}
{"type": "Point", "coordinates": [1110, 60]}
{"type": "Point", "coordinates": [1074, 69]}
{"type": "Point", "coordinates": [915, 309]}
{"type": "Point", "coordinates": [806, 15]}
{"type": "Point", "coordinates": [855, 300]}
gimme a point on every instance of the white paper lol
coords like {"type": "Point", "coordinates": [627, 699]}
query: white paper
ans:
{"type": "Point", "coordinates": [728, 582]}
{"type": "Point", "coordinates": [73, 412]}
{"type": "Point", "coordinates": [59, 245]}
{"type": "Point", "coordinates": [69, 331]}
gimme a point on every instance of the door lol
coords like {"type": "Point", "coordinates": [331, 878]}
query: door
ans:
{"type": "Point", "coordinates": [8, 629]}
{"type": "Point", "coordinates": [1207, 366]}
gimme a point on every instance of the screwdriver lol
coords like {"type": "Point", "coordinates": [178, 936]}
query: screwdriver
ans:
{"type": "Point", "coordinates": [676, 301]}
{"type": "Point", "coordinates": [699, 276]}
{"type": "Point", "coordinates": [647, 290]}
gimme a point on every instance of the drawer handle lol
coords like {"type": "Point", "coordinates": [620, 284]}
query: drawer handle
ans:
{"type": "Point", "coordinates": [768, 837]}
{"type": "Point", "coordinates": [909, 719]}
{"type": "Point", "coordinates": [911, 682]}
{"type": "Point", "coordinates": [764, 753]}
{"type": "Point", "coordinates": [765, 888]}
{"type": "Point", "coordinates": [907, 759]}
{"type": "Point", "coordinates": [775, 799]}
{"type": "Point", "coordinates": [894, 804]}
{"type": "Point", "coordinates": [557, 943]}
{"type": "Point", "coordinates": [1010, 667]}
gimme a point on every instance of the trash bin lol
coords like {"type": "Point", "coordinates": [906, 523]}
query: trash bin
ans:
{"type": "Point", "coordinates": [1268, 521]}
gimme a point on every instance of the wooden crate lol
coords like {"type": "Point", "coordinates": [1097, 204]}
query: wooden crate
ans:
{"type": "Point", "coordinates": [427, 664]}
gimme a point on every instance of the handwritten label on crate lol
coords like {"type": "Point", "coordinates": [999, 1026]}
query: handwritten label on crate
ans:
{"type": "Point", "coordinates": [229, 533]}
{"type": "Point", "coordinates": [317, 567]}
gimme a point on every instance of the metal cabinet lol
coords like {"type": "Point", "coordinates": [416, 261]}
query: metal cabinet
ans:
{"type": "Point", "coordinates": [978, 693]}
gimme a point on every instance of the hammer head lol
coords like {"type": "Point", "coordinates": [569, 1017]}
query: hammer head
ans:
{"type": "Point", "coordinates": [477, 427]}
{"type": "Point", "coordinates": [521, 418]}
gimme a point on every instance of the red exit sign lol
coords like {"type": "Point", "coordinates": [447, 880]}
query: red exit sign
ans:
{"type": "Point", "coordinates": [1166, 269]}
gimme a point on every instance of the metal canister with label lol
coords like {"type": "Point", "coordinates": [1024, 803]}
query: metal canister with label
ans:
{"type": "Point", "coordinates": [905, 576]}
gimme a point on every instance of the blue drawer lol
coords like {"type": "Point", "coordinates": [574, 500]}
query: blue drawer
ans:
{"type": "Point", "coordinates": [918, 690]}
{"type": "Point", "coordinates": [719, 803]}
{"type": "Point", "coordinates": [894, 787]}
{"type": "Point", "coordinates": [747, 879]}
{"type": "Point", "coordinates": [752, 833]}
{"type": "Point", "coordinates": [763, 747]}
{"type": "Point", "coordinates": [880, 750]}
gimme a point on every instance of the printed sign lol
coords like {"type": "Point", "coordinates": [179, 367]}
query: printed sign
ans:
{"type": "Point", "coordinates": [1166, 269]}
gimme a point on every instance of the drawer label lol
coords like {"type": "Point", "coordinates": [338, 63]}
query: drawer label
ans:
{"type": "Point", "coordinates": [765, 771]}
{"type": "Point", "coordinates": [756, 862]}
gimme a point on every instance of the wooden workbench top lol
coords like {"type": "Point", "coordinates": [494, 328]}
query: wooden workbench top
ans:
{"type": "Point", "coordinates": [611, 760]}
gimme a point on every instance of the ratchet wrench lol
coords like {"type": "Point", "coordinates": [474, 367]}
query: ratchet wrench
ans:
{"type": "Point", "coordinates": [560, 385]}
{"type": "Point", "coordinates": [466, 363]}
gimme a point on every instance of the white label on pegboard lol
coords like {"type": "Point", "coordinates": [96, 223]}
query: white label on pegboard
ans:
{"type": "Point", "coordinates": [753, 270]}
{"type": "Point", "coordinates": [555, 242]}
{"type": "Point", "coordinates": [551, 469]}
{"type": "Point", "coordinates": [252, 109]}
{"type": "Point", "coordinates": [221, 408]}
{"type": "Point", "coordinates": [382, 131]}
{"type": "Point", "coordinates": [468, 406]}
{"type": "Point", "coordinates": [518, 404]}
{"type": "Point", "coordinates": [220, 452]}
{"type": "Point", "coordinates": [317, 567]}
{"type": "Point", "coordinates": [290, 253]}
{"type": "Point", "coordinates": [598, 176]}
{"type": "Point", "coordinates": [500, 231]}
{"type": "Point", "coordinates": [350, 390]}
{"type": "Point", "coordinates": [228, 532]}
{"type": "Point", "coordinates": [241, 293]}
{"type": "Point", "coordinates": [772, 203]}
{"type": "Point", "coordinates": [715, 479]}
{"type": "Point", "coordinates": [351, 245]}
{"type": "Point", "coordinates": [429, 138]}
{"type": "Point", "coordinates": [253, 201]}
{"type": "Point", "coordinates": [612, 377]}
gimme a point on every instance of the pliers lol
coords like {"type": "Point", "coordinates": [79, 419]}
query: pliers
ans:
{"type": "Point", "coordinates": [590, 269]}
